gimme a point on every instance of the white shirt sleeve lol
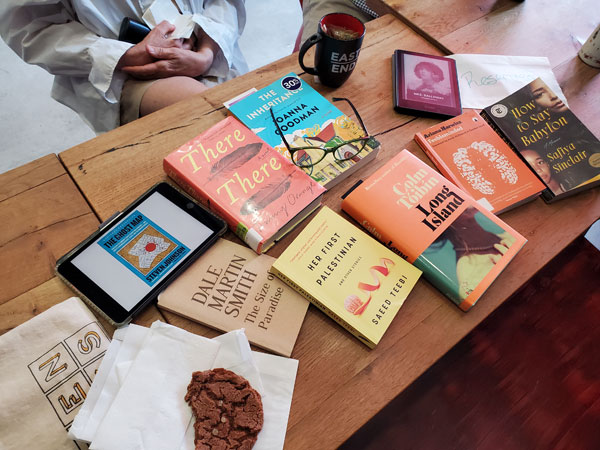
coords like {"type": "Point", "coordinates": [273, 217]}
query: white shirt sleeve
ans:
{"type": "Point", "coordinates": [47, 34]}
{"type": "Point", "coordinates": [223, 21]}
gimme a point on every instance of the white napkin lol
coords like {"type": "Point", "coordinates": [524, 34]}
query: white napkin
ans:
{"type": "Point", "coordinates": [149, 411]}
{"type": "Point", "coordinates": [165, 10]}
{"type": "Point", "coordinates": [128, 341]}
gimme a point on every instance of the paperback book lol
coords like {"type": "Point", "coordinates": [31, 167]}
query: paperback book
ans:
{"type": "Point", "coordinates": [459, 245]}
{"type": "Point", "coordinates": [260, 194]}
{"type": "Point", "coordinates": [425, 84]}
{"type": "Point", "coordinates": [348, 275]}
{"type": "Point", "coordinates": [230, 287]}
{"type": "Point", "coordinates": [557, 146]}
{"type": "Point", "coordinates": [306, 119]}
{"type": "Point", "coordinates": [467, 151]}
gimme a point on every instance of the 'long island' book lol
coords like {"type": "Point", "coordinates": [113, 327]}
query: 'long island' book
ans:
{"type": "Point", "coordinates": [260, 194]}
{"type": "Point", "coordinates": [467, 151]}
{"type": "Point", "coordinates": [306, 119]}
{"type": "Point", "coordinates": [459, 245]}
{"type": "Point", "coordinates": [230, 287]}
{"type": "Point", "coordinates": [549, 137]}
{"type": "Point", "coordinates": [347, 274]}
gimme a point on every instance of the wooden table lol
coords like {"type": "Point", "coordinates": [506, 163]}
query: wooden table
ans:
{"type": "Point", "coordinates": [340, 383]}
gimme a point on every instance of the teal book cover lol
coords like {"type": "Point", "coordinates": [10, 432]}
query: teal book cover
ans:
{"type": "Point", "coordinates": [306, 119]}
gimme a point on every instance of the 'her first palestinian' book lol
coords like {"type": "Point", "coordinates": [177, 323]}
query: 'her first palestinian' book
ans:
{"type": "Point", "coordinates": [347, 274]}
{"type": "Point", "coordinates": [230, 287]}
{"type": "Point", "coordinates": [307, 119]}
{"type": "Point", "coordinates": [260, 194]}
{"type": "Point", "coordinates": [459, 245]}
{"type": "Point", "coordinates": [557, 146]}
{"type": "Point", "coordinates": [467, 151]}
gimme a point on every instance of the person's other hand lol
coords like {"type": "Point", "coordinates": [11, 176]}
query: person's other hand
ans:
{"type": "Point", "coordinates": [171, 62]}
{"type": "Point", "coordinates": [158, 37]}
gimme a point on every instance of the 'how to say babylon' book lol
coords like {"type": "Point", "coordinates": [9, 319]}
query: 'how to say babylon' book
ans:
{"type": "Point", "coordinates": [558, 147]}
{"type": "Point", "coordinates": [459, 245]}
{"type": "Point", "coordinates": [260, 194]}
{"type": "Point", "coordinates": [347, 274]}
{"type": "Point", "coordinates": [307, 119]}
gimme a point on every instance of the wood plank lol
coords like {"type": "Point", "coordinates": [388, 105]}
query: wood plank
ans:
{"type": "Point", "coordinates": [113, 169]}
{"type": "Point", "coordinates": [42, 216]}
{"type": "Point", "coordinates": [35, 301]}
{"type": "Point", "coordinates": [531, 28]}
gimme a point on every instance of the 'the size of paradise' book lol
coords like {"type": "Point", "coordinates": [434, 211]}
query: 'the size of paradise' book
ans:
{"type": "Point", "coordinates": [306, 119]}
{"type": "Point", "coordinates": [467, 151]}
{"type": "Point", "coordinates": [230, 287]}
{"type": "Point", "coordinates": [348, 275]}
{"type": "Point", "coordinates": [260, 194]}
{"type": "Point", "coordinates": [459, 245]}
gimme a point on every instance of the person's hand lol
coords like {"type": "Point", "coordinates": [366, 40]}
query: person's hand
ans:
{"type": "Point", "coordinates": [172, 61]}
{"type": "Point", "coordinates": [158, 37]}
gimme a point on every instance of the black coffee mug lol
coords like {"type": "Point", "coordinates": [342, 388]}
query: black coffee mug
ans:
{"type": "Point", "coordinates": [338, 39]}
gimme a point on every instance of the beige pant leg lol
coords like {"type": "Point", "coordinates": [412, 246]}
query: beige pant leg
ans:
{"type": "Point", "coordinates": [131, 98]}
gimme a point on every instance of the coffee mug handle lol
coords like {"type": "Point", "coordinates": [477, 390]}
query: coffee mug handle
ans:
{"type": "Point", "coordinates": [308, 44]}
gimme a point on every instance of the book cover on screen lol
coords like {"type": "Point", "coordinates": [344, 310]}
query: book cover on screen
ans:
{"type": "Point", "coordinates": [467, 151]}
{"type": "Point", "coordinates": [347, 274]}
{"type": "Point", "coordinates": [230, 287]}
{"type": "Point", "coordinates": [307, 119]}
{"type": "Point", "coordinates": [425, 84]}
{"type": "Point", "coordinates": [260, 194]}
{"type": "Point", "coordinates": [557, 146]}
{"type": "Point", "coordinates": [459, 245]}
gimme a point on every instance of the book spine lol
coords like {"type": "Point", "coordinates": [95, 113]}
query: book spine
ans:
{"type": "Point", "coordinates": [439, 163]}
{"type": "Point", "coordinates": [323, 308]}
{"type": "Point", "coordinates": [191, 188]}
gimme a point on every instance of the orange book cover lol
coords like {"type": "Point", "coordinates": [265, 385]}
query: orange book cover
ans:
{"type": "Point", "coordinates": [460, 246]}
{"type": "Point", "coordinates": [256, 190]}
{"type": "Point", "coordinates": [467, 151]}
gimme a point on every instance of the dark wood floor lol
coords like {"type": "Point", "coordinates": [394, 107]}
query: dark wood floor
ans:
{"type": "Point", "coordinates": [528, 377]}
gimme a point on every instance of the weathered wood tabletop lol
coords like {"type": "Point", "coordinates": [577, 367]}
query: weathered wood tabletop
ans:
{"type": "Point", "coordinates": [340, 382]}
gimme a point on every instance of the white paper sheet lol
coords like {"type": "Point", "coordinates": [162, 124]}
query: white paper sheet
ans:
{"type": "Point", "coordinates": [485, 79]}
{"type": "Point", "coordinates": [165, 10]}
{"type": "Point", "coordinates": [149, 411]}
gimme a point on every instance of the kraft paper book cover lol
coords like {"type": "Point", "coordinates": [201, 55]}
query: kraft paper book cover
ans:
{"type": "Point", "coordinates": [459, 245]}
{"type": "Point", "coordinates": [556, 145]}
{"type": "Point", "coordinates": [348, 275]}
{"type": "Point", "coordinates": [306, 118]}
{"type": "Point", "coordinates": [230, 287]}
{"type": "Point", "coordinates": [260, 194]}
{"type": "Point", "coordinates": [467, 151]}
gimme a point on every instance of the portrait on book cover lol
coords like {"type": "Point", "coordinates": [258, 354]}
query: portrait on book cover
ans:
{"type": "Point", "coordinates": [467, 251]}
{"type": "Point", "coordinates": [427, 80]}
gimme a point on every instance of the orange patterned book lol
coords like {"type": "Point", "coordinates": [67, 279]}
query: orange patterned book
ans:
{"type": "Point", "coordinates": [257, 191]}
{"type": "Point", "coordinates": [459, 245]}
{"type": "Point", "coordinates": [467, 151]}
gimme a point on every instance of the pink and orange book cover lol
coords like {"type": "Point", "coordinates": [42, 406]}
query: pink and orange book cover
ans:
{"type": "Point", "coordinates": [467, 151]}
{"type": "Point", "coordinates": [460, 246]}
{"type": "Point", "coordinates": [256, 190]}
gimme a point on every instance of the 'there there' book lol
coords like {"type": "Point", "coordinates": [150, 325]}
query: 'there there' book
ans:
{"type": "Point", "coordinates": [557, 146]}
{"type": "Point", "coordinates": [260, 194]}
{"type": "Point", "coordinates": [347, 274]}
{"type": "Point", "coordinates": [467, 151]}
{"type": "Point", "coordinates": [230, 287]}
{"type": "Point", "coordinates": [459, 245]}
{"type": "Point", "coordinates": [307, 119]}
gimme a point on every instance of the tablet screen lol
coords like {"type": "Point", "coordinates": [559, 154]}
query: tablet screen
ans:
{"type": "Point", "coordinates": [141, 249]}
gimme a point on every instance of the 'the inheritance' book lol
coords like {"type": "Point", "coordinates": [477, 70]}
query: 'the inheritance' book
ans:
{"type": "Point", "coordinates": [348, 275]}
